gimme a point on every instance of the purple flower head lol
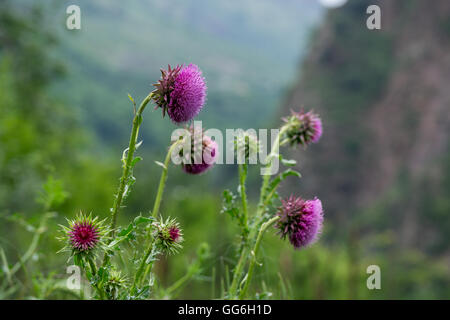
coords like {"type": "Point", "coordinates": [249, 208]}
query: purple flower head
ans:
{"type": "Point", "coordinates": [84, 234]}
{"type": "Point", "coordinates": [181, 92]}
{"type": "Point", "coordinates": [208, 150]}
{"type": "Point", "coordinates": [303, 128]}
{"type": "Point", "coordinates": [300, 220]}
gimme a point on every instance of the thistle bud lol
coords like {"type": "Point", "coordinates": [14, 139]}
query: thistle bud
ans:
{"type": "Point", "coordinates": [168, 235]}
{"type": "Point", "coordinates": [116, 281]}
{"type": "Point", "coordinates": [303, 128]}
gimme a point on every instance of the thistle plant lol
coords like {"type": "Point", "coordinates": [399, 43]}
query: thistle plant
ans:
{"type": "Point", "coordinates": [297, 219]}
{"type": "Point", "coordinates": [96, 247]}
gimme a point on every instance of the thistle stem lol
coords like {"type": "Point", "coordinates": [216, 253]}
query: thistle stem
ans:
{"type": "Point", "coordinates": [259, 211]}
{"type": "Point", "coordinates": [127, 166]}
{"type": "Point", "coordinates": [254, 253]}
{"type": "Point", "coordinates": [162, 181]}
{"type": "Point", "coordinates": [138, 274]}
{"type": "Point", "coordinates": [93, 267]}
{"type": "Point", "coordinates": [162, 184]}
{"type": "Point", "coordinates": [242, 178]}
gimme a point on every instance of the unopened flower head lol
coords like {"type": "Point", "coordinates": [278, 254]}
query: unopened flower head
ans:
{"type": "Point", "coordinates": [181, 92]}
{"type": "Point", "coordinates": [300, 220]}
{"type": "Point", "coordinates": [207, 148]}
{"type": "Point", "coordinates": [116, 281]}
{"type": "Point", "coordinates": [168, 235]}
{"type": "Point", "coordinates": [303, 128]}
{"type": "Point", "coordinates": [84, 234]}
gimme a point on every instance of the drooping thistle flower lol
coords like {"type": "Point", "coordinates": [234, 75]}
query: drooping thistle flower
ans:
{"type": "Point", "coordinates": [84, 234]}
{"type": "Point", "coordinates": [168, 235]}
{"type": "Point", "coordinates": [207, 149]}
{"type": "Point", "coordinates": [300, 220]}
{"type": "Point", "coordinates": [181, 92]}
{"type": "Point", "coordinates": [303, 128]}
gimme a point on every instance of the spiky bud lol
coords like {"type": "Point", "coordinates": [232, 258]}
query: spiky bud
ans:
{"type": "Point", "coordinates": [84, 234]}
{"type": "Point", "coordinates": [168, 235]}
{"type": "Point", "coordinates": [303, 128]}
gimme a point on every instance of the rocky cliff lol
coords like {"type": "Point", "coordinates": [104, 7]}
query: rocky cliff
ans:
{"type": "Point", "coordinates": [384, 95]}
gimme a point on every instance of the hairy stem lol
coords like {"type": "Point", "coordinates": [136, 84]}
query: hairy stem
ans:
{"type": "Point", "coordinates": [138, 274]}
{"type": "Point", "coordinates": [254, 254]}
{"type": "Point", "coordinates": [137, 120]}
{"type": "Point", "coordinates": [259, 212]}
{"type": "Point", "coordinates": [242, 178]}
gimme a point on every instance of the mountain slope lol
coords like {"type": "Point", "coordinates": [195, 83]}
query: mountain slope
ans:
{"type": "Point", "coordinates": [385, 103]}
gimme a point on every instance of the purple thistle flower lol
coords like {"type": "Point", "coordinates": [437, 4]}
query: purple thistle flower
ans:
{"type": "Point", "coordinates": [84, 235]}
{"type": "Point", "coordinates": [303, 128]}
{"type": "Point", "coordinates": [209, 154]}
{"type": "Point", "coordinates": [174, 233]}
{"type": "Point", "coordinates": [181, 92]}
{"type": "Point", "coordinates": [300, 221]}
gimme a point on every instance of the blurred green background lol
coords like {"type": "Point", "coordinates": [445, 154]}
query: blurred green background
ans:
{"type": "Point", "coordinates": [381, 169]}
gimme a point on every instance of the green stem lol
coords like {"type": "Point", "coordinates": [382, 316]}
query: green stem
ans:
{"type": "Point", "coordinates": [138, 274]}
{"type": "Point", "coordinates": [242, 178]}
{"type": "Point", "coordinates": [264, 227]}
{"type": "Point", "coordinates": [260, 209]}
{"type": "Point", "coordinates": [137, 120]}
{"type": "Point", "coordinates": [94, 272]}
{"type": "Point", "coordinates": [127, 166]}
{"type": "Point", "coordinates": [93, 267]}
{"type": "Point", "coordinates": [182, 281]}
{"type": "Point", "coordinates": [162, 181]}
{"type": "Point", "coordinates": [162, 184]}
{"type": "Point", "coordinates": [34, 243]}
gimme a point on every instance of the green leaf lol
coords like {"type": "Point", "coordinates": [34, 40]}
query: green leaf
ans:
{"type": "Point", "coordinates": [135, 160]}
{"type": "Point", "coordinates": [288, 163]}
{"type": "Point", "coordinates": [141, 219]}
